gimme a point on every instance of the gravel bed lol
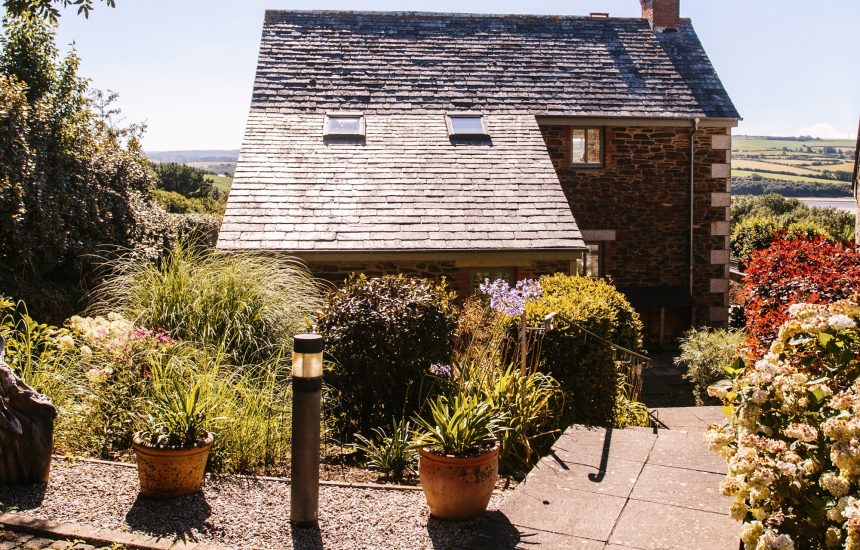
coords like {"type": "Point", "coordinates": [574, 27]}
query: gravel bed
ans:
{"type": "Point", "coordinates": [244, 513]}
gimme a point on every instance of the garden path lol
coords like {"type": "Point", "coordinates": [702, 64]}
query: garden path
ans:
{"type": "Point", "coordinates": [638, 488]}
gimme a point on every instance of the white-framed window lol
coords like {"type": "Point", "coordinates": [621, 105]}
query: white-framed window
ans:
{"type": "Point", "coordinates": [466, 125]}
{"type": "Point", "coordinates": [586, 147]}
{"type": "Point", "coordinates": [346, 124]}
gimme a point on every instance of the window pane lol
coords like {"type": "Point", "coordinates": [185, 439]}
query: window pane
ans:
{"type": "Point", "coordinates": [504, 273]}
{"type": "Point", "coordinates": [593, 146]}
{"type": "Point", "coordinates": [593, 261]}
{"type": "Point", "coordinates": [344, 125]}
{"type": "Point", "coordinates": [466, 125]}
{"type": "Point", "coordinates": [578, 144]}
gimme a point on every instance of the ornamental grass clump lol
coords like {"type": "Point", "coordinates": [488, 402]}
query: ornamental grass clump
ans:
{"type": "Point", "coordinates": [247, 305]}
{"type": "Point", "coordinates": [792, 440]}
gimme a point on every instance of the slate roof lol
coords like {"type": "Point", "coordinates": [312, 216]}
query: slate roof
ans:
{"type": "Point", "coordinates": [407, 187]}
{"type": "Point", "coordinates": [413, 62]}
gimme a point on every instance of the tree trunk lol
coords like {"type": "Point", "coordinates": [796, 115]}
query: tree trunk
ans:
{"type": "Point", "coordinates": [26, 429]}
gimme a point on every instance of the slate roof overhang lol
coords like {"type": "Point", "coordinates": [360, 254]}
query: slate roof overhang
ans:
{"type": "Point", "coordinates": [407, 187]}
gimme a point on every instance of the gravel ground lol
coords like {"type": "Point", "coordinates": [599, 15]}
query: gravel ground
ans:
{"type": "Point", "coordinates": [248, 513]}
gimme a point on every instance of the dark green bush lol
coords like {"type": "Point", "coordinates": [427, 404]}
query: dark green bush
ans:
{"type": "Point", "coordinates": [585, 366]}
{"type": "Point", "coordinates": [383, 334]}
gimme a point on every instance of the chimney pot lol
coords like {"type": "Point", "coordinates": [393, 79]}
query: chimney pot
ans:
{"type": "Point", "coordinates": [662, 14]}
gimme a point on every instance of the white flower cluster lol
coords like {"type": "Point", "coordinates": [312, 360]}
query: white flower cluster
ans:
{"type": "Point", "coordinates": [801, 397]}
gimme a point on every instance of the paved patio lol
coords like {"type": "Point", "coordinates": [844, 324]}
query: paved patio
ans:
{"type": "Point", "coordinates": [624, 489]}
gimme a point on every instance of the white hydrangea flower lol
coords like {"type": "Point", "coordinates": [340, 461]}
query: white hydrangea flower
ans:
{"type": "Point", "coordinates": [841, 322]}
{"type": "Point", "coordinates": [771, 540]}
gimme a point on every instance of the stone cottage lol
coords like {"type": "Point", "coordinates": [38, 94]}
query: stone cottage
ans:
{"type": "Point", "coordinates": [474, 146]}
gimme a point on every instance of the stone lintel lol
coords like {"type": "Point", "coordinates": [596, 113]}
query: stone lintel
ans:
{"type": "Point", "coordinates": [598, 235]}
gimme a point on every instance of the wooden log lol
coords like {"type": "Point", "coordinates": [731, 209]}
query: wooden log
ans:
{"type": "Point", "coordinates": [26, 429]}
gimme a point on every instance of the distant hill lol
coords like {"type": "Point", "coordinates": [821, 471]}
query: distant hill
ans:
{"type": "Point", "coordinates": [187, 157]}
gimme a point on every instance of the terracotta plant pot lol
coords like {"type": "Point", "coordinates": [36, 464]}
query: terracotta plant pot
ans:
{"type": "Point", "coordinates": [166, 473]}
{"type": "Point", "coordinates": [458, 488]}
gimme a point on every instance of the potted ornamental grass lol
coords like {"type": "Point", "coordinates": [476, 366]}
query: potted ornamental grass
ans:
{"type": "Point", "coordinates": [173, 445]}
{"type": "Point", "coordinates": [458, 463]}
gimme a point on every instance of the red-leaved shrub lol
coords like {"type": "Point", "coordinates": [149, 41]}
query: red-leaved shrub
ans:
{"type": "Point", "coordinates": [792, 270]}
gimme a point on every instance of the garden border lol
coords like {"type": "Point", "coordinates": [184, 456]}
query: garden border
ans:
{"type": "Point", "coordinates": [22, 523]}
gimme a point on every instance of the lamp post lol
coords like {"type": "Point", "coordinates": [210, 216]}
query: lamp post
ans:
{"type": "Point", "coordinates": [305, 452]}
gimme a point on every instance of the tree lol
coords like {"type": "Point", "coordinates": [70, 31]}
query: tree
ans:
{"type": "Point", "coordinates": [186, 180]}
{"type": "Point", "coordinates": [49, 9]}
{"type": "Point", "coordinates": [70, 182]}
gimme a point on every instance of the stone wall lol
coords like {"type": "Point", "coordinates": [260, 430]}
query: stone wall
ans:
{"type": "Point", "coordinates": [639, 199]}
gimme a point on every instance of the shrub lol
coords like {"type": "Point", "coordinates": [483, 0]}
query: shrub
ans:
{"type": "Point", "coordinates": [707, 353]}
{"type": "Point", "coordinates": [752, 233]}
{"type": "Point", "coordinates": [382, 335]}
{"type": "Point", "coordinates": [392, 455]}
{"type": "Point", "coordinates": [791, 441]}
{"type": "Point", "coordinates": [585, 366]}
{"type": "Point", "coordinates": [248, 305]}
{"type": "Point", "coordinates": [185, 180]}
{"type": "Point", "coordinates": [792, 271]}
{"type": "Point", "coordinates": [174, 203]}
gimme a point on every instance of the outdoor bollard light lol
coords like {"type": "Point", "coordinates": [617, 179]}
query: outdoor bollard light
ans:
{"type": "Point", "coordinates": [305, 452]}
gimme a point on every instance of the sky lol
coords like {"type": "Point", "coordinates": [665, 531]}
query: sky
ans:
{"type": "Point", "coordinates": [186, 67]}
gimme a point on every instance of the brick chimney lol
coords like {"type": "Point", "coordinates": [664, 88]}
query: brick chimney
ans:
{"type": "Point", "coordinates": [662, 14]}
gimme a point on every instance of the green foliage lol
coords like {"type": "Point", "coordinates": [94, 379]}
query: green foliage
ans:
{"type": "Point", "coordinates": [178, 419]}
{"type": "Point", "coordinates": [585, 366]}
{"type": "Point", "coordinates": [531, 403]}
{"type": "Point", "coordinates": [706, 353]}
{"type": "Point", "coordinates": [174, 203]}
{"type": "Point", "coordinates": [44, 357]}
{"type": "Point", "coordinates": [248, 305]}
{"type": "Point", "coordinates": [753, 233]}
{"type": "Point", "coordinates": [462, 425]}
{"type": "Point", "coordinates": [629, 413]}
{"type": "Point", "coordinates": [757, 219]}
{"type": "Point", "coordinates": [757, 185]}
{"type": "Point", "coordinates": [382, 335]}
{"type": "Point", "coordinates": [49, 9]}
{"type": "Point", "coordinates": [392, 455]}
{"type": "Point", "coordinates": [70, 181]}
{"type": "Point", "coordinates": [185, 180]}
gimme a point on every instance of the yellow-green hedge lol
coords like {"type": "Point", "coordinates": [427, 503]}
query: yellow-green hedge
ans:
{"type": "Point", "coordinates": [584, 365]}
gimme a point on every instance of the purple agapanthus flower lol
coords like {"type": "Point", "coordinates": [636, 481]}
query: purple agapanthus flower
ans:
{"type": "Point", "coordinates": [511, 301]}
{"type": "Point", "coordinates": [440, 370]}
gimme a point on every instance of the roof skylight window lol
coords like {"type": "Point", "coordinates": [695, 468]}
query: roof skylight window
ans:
{"type": "Point", "coordinates": [344, 124]}
{"type": "Point", "coordinates": [466, 125]}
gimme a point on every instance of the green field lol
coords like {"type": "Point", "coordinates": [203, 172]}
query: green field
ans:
{"type": "Point", "coordinates": [828, 161]}
{"type": "Point", "coordinates": [223, 183]}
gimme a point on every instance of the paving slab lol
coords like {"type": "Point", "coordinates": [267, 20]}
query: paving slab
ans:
{"type": "Point", "coordinates": [679, 418]}
{"type": "Point", "coordinates": [614, 477]}
{"type": "Point", "coordinates": [587, 445]}
{"type": "Point", "coordinates": [652, 526]}
{"type": "Point", "coordinates": [681, 487]}
{"type": "Point", "coordinates": [681, 449]}
{"type": "Point", "coordinates": [562, 510]}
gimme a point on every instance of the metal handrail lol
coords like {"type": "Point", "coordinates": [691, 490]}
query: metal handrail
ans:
{"type": "Point", "coordinates": [630, 363]}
